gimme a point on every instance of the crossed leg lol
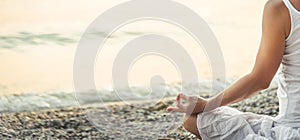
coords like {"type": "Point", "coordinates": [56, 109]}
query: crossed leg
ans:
{"type": "Point", "coordinates": [190, 124]}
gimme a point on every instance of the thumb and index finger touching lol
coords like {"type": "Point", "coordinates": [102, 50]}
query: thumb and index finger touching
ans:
{"type": "Point", "coordinates": [180, 107]}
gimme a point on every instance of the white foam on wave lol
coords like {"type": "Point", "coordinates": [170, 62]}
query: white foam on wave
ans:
{"type": "Point", "coordinates": [33, 102]}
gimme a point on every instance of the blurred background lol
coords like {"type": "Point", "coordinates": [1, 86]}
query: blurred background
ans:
{"type": "Point", "coordinates": [38, 40]}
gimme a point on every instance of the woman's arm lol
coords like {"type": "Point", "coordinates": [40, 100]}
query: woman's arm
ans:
{"type": "Point", "coordinates": [269, 57]}
{"type": "Point", "coordinates": [275, 29]}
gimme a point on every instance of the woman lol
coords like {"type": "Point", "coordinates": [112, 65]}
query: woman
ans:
{"type": "Point", "coordinates": [279, 48]}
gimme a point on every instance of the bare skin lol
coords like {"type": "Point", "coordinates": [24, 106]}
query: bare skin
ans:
{"type": "Point", "coordinates": [275, 29]}
{"type": "Point", "coordinates": [296, 4]}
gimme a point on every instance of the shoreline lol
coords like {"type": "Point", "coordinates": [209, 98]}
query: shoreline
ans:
{"type": "Point", "coordinates": [36, 102]}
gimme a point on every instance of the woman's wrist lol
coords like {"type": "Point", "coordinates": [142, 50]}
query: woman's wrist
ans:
{"type": "Point", "coordinates": [214, 102]}
{"type": "Point", "coordinates": [200, 105]}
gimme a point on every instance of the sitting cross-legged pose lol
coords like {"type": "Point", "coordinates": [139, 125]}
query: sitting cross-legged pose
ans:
{"type": "Point", "coordinates": [279, 52]}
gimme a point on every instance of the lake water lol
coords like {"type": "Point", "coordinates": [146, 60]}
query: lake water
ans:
{"type": "Point", "coordinates": [38, 40]}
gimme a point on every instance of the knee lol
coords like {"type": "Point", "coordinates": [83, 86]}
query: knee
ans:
{"type": "Point", "coordinates": [189, 122]}
{"type": "Point", "coordinates": [186, 125]}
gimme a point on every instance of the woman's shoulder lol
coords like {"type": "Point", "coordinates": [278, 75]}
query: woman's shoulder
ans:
{"type": "Point", "coordinates": [275, 6]}
{"type": "Point", "coordinates": [276, 12]}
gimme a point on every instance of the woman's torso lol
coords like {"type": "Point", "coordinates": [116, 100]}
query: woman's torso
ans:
{"type": "Point", "coordinates": [289, 74]}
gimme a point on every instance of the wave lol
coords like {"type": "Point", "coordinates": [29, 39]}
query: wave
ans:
{"type": "Point", "coordinates": [33, 39]}
{"type": "Point", "coordinates": [26, 38]}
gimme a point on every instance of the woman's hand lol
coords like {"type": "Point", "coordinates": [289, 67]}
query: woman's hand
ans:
{"type": "Point", "coordinates": [193, 105]}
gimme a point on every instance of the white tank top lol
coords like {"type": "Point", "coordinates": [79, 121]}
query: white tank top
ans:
{"type": "Point", "coordinates": [289, 74]}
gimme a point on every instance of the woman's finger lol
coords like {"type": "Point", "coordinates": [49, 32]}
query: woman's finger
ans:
{"type": "Point", "coordinates": [178, 101]}
{"type": "Point", "coordinates": [179, 105]}
{"type": "Point", "coordinates": [182, 96]}
{"type": "Point", "coordinates": [175, 109]}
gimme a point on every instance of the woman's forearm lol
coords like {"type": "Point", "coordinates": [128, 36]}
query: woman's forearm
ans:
{"type": "Point", "coordinates": [244, 88]}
